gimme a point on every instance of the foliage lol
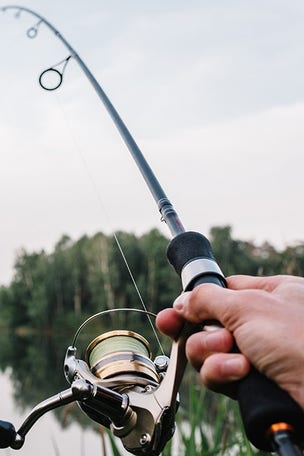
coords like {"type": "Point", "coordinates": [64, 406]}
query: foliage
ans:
{"type": "Point", "coordinates": [89, 275]}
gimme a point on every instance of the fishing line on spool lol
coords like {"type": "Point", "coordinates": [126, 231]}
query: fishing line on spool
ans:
{"type": "Point", "coordinates": [121, 357]}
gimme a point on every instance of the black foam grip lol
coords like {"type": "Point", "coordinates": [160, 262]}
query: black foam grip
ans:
{"type": "Point", "coordinates": [262, 403]}
{"type": "Point", "coordinates": [187, 247]}
{"type": "Point", "coordinates": [7, 434]}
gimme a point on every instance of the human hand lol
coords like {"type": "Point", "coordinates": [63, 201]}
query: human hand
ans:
{"type": "Point", "coordinates": [265, 316]}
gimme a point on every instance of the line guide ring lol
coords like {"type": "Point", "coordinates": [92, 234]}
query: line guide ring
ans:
{"type": "Point", "coordinates": [53, 70]}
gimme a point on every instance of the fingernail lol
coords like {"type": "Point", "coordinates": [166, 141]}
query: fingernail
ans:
{"type": "Point", "coordinates": [212, 340]}
{"type": "Point", "coordinates": [233, 367]}
{"type": "Point", "coordinates": [181, 301]}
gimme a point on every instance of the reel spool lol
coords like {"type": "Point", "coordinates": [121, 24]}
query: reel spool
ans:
{"type": "Point", "coordinates": [117, 359]}
{"type": "Point", "coordinates": [119, 353]}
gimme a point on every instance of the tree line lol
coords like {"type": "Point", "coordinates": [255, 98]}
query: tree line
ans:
{"type": "Point", "coordinates": [79, 278]}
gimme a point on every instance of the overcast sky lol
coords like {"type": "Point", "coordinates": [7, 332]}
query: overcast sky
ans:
{"type": "Point", "coordinates": [212, 92]}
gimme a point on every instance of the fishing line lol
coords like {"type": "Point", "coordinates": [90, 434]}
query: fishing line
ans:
{"type": "Point", "coordinates": [104, 210]}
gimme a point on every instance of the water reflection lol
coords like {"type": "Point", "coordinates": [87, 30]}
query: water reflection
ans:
{"type": "Point", "coordinates": [35, 362]}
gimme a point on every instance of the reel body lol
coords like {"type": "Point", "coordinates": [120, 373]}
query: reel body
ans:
{"type": "Point", "coordinates": [119, 366]}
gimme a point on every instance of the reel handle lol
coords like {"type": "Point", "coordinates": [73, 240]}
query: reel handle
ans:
{"type": "Point", "coordinates": [7, 434]}
{"type": "Point", "coordinates": [262, 402]}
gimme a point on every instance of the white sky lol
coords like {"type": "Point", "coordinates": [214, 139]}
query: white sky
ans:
{"type": "Point", "coordinates": [212, 91]}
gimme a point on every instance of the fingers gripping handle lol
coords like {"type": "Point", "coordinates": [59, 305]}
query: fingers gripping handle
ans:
{"type": "Point", "coordinates": [262, 403]}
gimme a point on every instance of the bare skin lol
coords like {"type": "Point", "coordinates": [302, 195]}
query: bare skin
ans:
{"type": "Point", "coordinates": [265, 315]}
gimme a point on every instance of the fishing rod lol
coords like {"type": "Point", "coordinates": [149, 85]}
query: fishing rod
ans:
{"type": "Point", "coordinates": [128, 392]}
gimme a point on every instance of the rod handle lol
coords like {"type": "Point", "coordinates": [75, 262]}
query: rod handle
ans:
{"type": "Point", "coordinates": [262, 403]}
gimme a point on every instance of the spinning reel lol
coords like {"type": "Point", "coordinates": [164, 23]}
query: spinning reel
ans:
{"type": "Point", "coordinates": [119, 386]}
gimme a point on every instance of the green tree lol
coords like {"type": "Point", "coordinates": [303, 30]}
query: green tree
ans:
{"type": "Point", "coordinates": [90, 274]}
{"type": "Point", "coordinates": [233, 256]}
{"type": "Point", "coordinates": [160, 282]}
{"type": "Point", "coordinates": [27, 297]}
